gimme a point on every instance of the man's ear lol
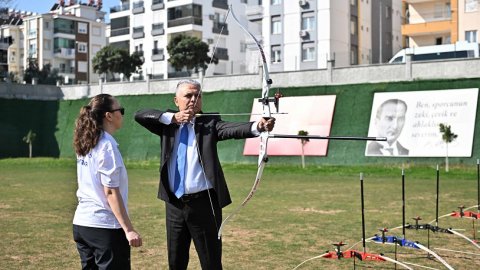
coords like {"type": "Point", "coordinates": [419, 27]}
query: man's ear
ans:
{"type": "Point", "coordinates": [175, 100]}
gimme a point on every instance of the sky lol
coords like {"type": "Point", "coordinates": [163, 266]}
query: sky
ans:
{"type": "Point", "coordinates": [43, 6]}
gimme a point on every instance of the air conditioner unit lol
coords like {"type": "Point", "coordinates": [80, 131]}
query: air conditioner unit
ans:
{"type": "Point", "coordinates": [303, 33]}
{"type": "Point", "coordinates": [211, 17]}
{"type": "Point", "coordinates": [302, 3]}
{"type": "Point", "coordinates": [210, 40]}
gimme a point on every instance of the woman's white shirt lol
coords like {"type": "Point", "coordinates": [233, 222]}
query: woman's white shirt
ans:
{"type": "Point", "coordinates": [103, 166]}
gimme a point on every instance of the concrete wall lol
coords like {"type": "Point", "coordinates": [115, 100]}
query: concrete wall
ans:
{"type": "Point", "coordinates": [453, 69]}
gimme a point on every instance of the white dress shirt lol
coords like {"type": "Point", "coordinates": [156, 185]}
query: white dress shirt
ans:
{"type": "Point", "coordinates": [195, 178]}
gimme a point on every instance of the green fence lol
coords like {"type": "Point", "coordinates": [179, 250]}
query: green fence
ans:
{"type": "Point", "coordinates": [53, 121]}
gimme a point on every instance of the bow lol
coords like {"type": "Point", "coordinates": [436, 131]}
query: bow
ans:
{"type": "Point", "coordinates": [460, 214]}
{"type": "Point", "coordinates": [265, 100]}
{"type": "Point", "coordinates": [353, 254]}
{"type": "Point", "coordinates": [265, 135]}
{"type": "Point", "coordinates": [403, 242]}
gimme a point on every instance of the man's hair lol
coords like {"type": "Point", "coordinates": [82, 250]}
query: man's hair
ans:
{"type": "Point", "coordinates": [188, 81]}
{"type": "Point", "coordinates": [390, 101]}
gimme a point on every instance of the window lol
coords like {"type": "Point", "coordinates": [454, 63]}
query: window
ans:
{"type": "Point", "coordinates": [47, 44]}
{"type": "Point", "coordinates": [155, 44]}
{"type": "Point", "coordinates": [82, 47]}
{"type": "Point", "coordinates": [47, 25]}
{"type": "Point", "coordinates": [276, 25]}
{"type": "Point", "coordinates": [308, 51]}
{"type": "Point", "coordinates": [471, 36]}
{"type": "Point", "coordinates": [82, 28]}
{"type": "Point", "coordinates": [96, 31]}
{"type": "Point", "coordinates": [353, 26]}
{"type": "Point", "coordinates": [308, 21]}
{"type": "Point", "coordinates": [276, 2]}
{"type": "Point", "coordinates": [353, 55]}
{"type": "Point", "coordinates": [82, 66]}
{"type": "Point", "coordinates": [276, 54]}
{"type": "Point", "coordinates": [243, 47]}
{"type": "Point", "coordinates": [471, 5]}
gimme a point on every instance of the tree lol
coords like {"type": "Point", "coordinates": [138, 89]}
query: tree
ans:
{"type": "Point", "coordinates": [110, 60]}
{"type": "Point", "coordinates": [44, 76]}
{"type": "Point", "coordinates": [189, 52]}
{"type": "Point", "coordinates": [303, 141]}
{"type": "Point", "coordinates": [29, 138]}
{"type": "Point", "coordinates": [448, 136]}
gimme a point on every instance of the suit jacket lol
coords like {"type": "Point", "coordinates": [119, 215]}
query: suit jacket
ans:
{"type": "Point", "coordinates": [208, 131]}
{"type": "Point", "coordinates": [373, 148]}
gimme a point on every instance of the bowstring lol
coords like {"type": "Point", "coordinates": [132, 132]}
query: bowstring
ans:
{"type": "Point", "coordinates": [195, 104]}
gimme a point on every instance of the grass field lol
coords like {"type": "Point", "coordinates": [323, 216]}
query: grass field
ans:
{"type": "Point", "coordinates": [295, 215]}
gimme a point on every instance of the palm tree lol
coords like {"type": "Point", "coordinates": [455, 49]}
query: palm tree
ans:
{"type": "Point", "coordinates": [448, 136]}
{"type": "Point", "coordinates": [303, 141]}
{"type": "Point", "coordinates": [29, 138]}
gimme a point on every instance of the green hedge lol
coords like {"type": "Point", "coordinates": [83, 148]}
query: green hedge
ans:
{"type": "Point", "coordinates": [53, 122]}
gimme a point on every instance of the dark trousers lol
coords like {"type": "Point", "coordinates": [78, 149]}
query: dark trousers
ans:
{"type": "Point", "coordinates": [102, 248]}
{"type": "Point", "coordinates": [192, 218]}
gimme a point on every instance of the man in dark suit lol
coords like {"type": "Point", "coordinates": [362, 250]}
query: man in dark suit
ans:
{"type": "Point", "coordinates": [389, 121]}
{"type": "Point", "coordinates": [192, 183]}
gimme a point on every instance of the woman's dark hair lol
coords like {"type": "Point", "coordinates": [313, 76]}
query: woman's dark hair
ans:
{"type": "Point", "coordinates": [89, 123]}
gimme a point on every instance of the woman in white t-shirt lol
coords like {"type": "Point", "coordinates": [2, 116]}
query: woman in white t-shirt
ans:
{"type": "Point", "coordinates": [101, 227]}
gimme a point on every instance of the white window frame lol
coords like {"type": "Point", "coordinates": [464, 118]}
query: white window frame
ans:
{"type": "Point", "coordinates": [96, 31]}
{"type": "Point", "coordinates": [471, 5]}
{"type": "Point", "coordinates": [276, 54]}
{"type": "Point", "coordinates": [82, 47]}
{"type": "Point", "coordinates": [471, 36]}
{"type": "Point", "coordinates": [308, 52]}
{"type": "Point", "coordinates": [276, 25]}
{"type": "Point", "coordinates": [82, 28]}
{"type": "Point", "coordinates": [308, 21]}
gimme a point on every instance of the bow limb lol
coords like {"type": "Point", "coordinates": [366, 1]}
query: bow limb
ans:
{"type": "Point", "coordinates": [261, 166]}
{"type": "Point", "coordinates": [350, 254]}
{"type": "Point", "coordinates": [262, 156]}
{"type": "Point", "coordinates": [411, 244]}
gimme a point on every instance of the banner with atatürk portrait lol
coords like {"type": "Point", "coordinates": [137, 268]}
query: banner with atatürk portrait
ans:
{"type": "Point", "coordinates": [411, 123]}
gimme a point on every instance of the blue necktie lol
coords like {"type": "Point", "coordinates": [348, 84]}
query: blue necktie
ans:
{"type": "Point", "coordinates": [179, 184]}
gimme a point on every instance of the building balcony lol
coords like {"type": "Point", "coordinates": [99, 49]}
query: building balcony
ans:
{"type": "Point", "coordinates": [254, 12]}
{"type": "Point", "coordinates": [138, 32]}
{"type": "Point", "coordinates": [222, 54]}
{"type": "Point", "coordinates": [66, 53]}
{"type": "Point", "coordinates": [157, 29]}
{"type": "Point", "coordinates": [427, 28]}
{"type": "Point", "coordinates": [158, 4]}
{"type": "Point", "coordinates": [157, 55]}
{"type": "Point", "coordinates": [185, 21]}
{"type": "Point", "coordinates": [60, 30]}
{"type": "Point", "coordinates": [418, 1]}
{"type": "Point", "coordinates": [119, 32]}
{"type": "Point", "coordinates": [66, 70]}
{"type": "Point", "coordinates": [217, 28]}
{"type": "Point", "coordinates": [138, 7]}
{"type": "Point", "coordinates": [223, 4]}
{"type": "Point", "coordinates": [119, 8]}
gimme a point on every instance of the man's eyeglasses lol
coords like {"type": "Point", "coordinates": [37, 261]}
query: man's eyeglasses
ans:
{"type": "Point", "coordinates": [121, 110]}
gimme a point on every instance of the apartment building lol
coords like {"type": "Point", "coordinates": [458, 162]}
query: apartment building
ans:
{"type": "Point", "coordinates": [435, 22]}
{"type": "Point", "coordinates": [306, 34]}
{"type": "Point", "coordinates": [146, 26]}
{"type": "Point", "coordinates": [67, 38]}
{"type": "Point", "coordinates": [10, 33]}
